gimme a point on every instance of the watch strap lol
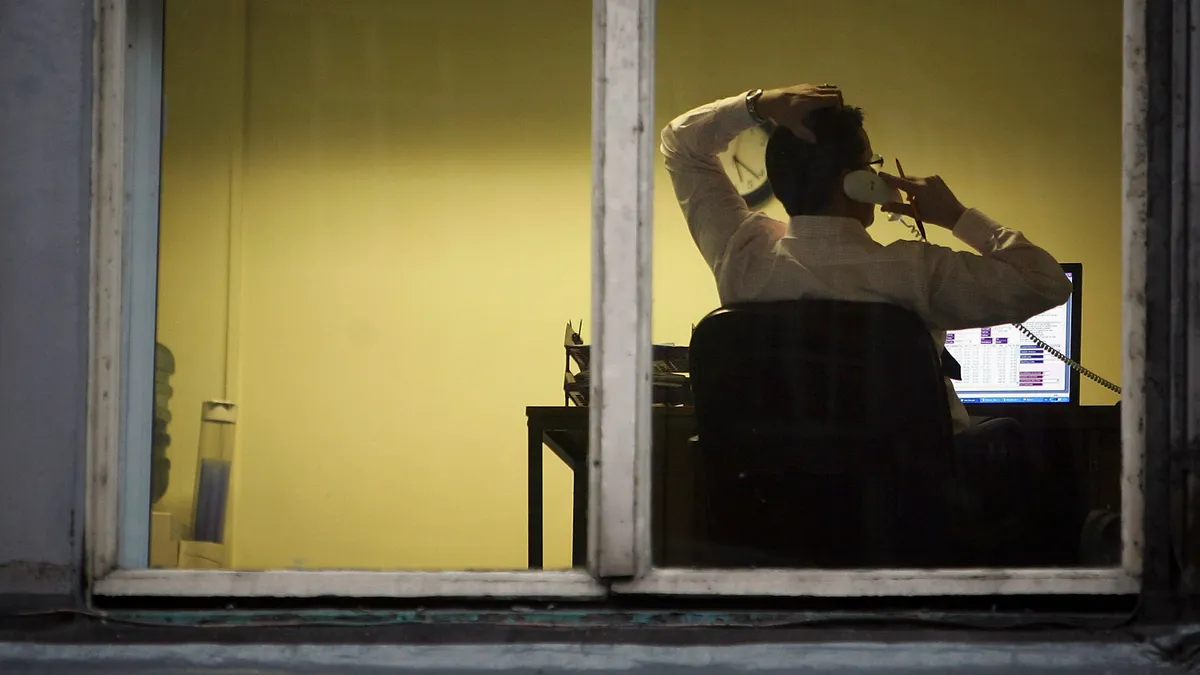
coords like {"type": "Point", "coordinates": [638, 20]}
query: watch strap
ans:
{"type": "Point", "coordinates": [752, 97]}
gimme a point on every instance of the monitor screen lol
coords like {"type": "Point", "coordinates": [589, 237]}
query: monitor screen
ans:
{"type": "Point", "coordinates": [1000, 364]}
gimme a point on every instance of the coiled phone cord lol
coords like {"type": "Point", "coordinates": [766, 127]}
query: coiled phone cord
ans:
{"type": "Point", "coordinates": [1071, 363]}
{"type": "Point", "coordinates": [1074, 365]}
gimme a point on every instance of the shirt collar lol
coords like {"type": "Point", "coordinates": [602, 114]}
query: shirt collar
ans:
{"type": "Point", "coordinates": [808, 227]}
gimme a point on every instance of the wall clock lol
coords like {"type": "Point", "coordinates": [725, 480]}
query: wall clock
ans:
{"type": "Point", "coordinates": [745, 162]}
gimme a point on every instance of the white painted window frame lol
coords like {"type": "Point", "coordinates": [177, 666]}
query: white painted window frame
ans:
{"type": "Point", "coordinates": [126, 135]}
{"type": "Point", "coordinates": [619, 507]}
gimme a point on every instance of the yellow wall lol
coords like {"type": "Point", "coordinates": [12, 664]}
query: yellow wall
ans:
{"type": "Point", "coordinates": [376, 218]}
{"type": "Point", "coordinates": [414, 218]}
{"type": "Point", "coordinates": [202, 106]}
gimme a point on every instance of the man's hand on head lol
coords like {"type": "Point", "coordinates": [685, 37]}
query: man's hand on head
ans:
{"type": "Point", "coordinates": [787, 107]}
{"type": "Point", "coordinates": [929, 199]}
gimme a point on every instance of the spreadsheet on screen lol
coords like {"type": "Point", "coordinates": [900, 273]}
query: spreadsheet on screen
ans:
{"type": "Point", "coordinates": [1000, 364]}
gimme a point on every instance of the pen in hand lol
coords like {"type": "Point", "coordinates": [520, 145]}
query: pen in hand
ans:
{"type": "Point", "coordinates": [911, 202]}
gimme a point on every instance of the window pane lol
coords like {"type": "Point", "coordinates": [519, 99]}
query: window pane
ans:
{"type": "Point", "coordinates": [375, 225]}
{"type": "Point", "coordinates": [817, 424]}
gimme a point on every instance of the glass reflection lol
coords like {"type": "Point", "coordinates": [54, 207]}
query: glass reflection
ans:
{"type": "Point", "coordinates": [374, 225]}
{"type": "Point", "coordinates": [893, 377]}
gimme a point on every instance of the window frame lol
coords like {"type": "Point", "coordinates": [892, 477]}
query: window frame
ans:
{"type": "Point", "coordinates": [619, 505]}
{"type": "Point", "coordinates": [125, 43]}
{"type": "Point", "coordinates": [1121, 580]}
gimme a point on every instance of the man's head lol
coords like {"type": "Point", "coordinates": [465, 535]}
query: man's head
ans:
{"type": "Point", "coordinates": [807, 177]}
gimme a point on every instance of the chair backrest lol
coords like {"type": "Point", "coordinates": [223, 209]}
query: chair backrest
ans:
{"type": "Point", "coordinates": [859, 381]}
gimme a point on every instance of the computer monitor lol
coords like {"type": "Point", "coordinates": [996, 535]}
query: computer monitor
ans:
{"type": "Point", "coordinates": [1000, 364]}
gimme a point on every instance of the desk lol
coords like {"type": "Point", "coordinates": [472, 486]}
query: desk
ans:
{"type": "Point", "coordinates": [1091, 435]}
{"type": "Point", "coordinates": [1089, 438]}
{"type": "Point", "coordinates": [565, 431]}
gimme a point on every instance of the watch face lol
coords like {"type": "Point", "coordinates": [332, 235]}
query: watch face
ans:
{"type": "Point", "coordinates": [745, 162]}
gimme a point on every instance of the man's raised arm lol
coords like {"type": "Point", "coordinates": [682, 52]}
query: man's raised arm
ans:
{"type": "Point", "coordinates": [692, 142]}
{"type": "Point", "coordinates": [710, 203]}
{"type": "Point", "coordinates": [1009, 281]}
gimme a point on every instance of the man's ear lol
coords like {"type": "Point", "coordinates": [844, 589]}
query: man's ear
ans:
{"type": "Point", "coordinates": [839, 187]}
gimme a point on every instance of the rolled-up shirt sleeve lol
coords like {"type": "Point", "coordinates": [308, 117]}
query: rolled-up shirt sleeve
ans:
{"type": "Point", "coordinates": [1009, 281]}
{"type": "Point", "coordinates": [691, 144]}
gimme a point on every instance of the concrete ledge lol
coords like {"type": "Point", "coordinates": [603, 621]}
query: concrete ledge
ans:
{"type": "Point", "coordinates": [849, 657]}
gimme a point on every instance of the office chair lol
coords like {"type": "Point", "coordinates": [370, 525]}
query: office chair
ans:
{"type": "Point", "coordinates": [824, 435]}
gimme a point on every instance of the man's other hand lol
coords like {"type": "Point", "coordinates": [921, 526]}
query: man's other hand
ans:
{"type": "Point", "coordinates": [788, 106]}
{"type": "Point", "coordinates": [929, 200]}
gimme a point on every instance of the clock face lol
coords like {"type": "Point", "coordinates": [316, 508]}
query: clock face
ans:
{"type": "Point", "coordinates": [745, 162]}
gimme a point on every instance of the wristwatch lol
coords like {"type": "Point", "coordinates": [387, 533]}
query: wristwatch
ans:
{"type": "Point", "coordinates": [752, 105]}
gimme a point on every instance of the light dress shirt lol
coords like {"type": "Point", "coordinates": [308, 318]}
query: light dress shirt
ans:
{"type": "Point", "coordinates": [757, 258]}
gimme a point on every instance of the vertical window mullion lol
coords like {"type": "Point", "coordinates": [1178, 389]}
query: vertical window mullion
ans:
{"type": "Point", "coordinates": [1133, 395]}
{"type": "Point", "coordinates": [622, 119]}
{"type": "Point", "coordinates": [1192, 263]}
{"type": "Point", "coordinates": [106, 281]}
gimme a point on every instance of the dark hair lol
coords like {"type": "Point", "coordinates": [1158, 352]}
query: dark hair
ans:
{"type": "Point", "coordinates": [804, 175]}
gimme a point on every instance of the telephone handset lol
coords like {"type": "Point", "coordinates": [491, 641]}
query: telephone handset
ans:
{"type": "Point", "coordinates": [866, 186]}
